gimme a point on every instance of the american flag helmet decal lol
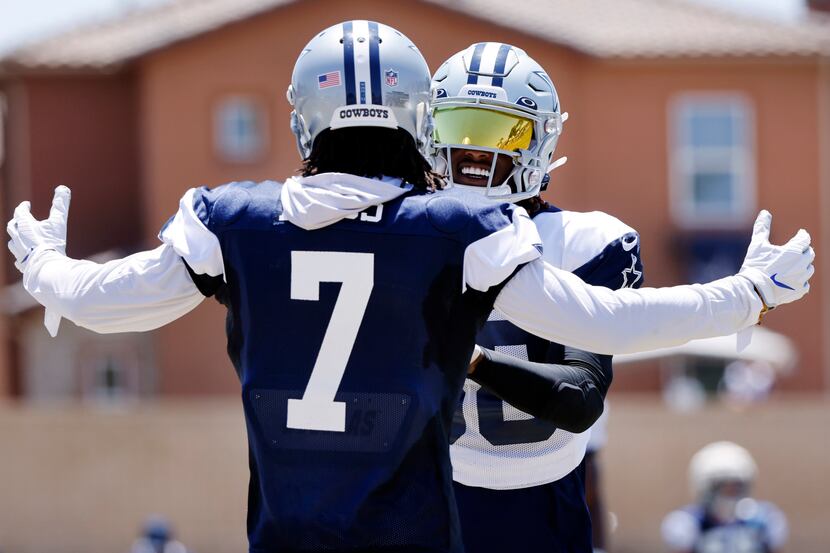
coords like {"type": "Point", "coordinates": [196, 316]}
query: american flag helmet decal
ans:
{"type": "Point", "coordinates": [327, 80]}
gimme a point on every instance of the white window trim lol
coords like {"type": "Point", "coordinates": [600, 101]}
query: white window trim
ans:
{"type": "Point", "coordinates": [264, 121]}
{"type": "Point", "coordinates": [680, 199]}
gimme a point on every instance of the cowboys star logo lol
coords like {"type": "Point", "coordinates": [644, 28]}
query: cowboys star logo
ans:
{"type": "Point", "coordinates": [631, 272]}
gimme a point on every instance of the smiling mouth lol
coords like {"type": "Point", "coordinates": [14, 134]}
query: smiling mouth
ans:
{"type": "Point", "coordinates": [474, 172]}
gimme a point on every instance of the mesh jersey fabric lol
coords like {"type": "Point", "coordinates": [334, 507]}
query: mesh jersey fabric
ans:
{"type": "Point", "coordinates": [495, 445]}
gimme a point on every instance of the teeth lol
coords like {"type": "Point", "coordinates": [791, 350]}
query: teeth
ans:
{"type": "Point", "coordinates": [475, 171]}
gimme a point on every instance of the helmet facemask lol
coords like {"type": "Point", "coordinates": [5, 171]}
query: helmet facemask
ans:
{"type": "Point", "coordinates": [528, 138]}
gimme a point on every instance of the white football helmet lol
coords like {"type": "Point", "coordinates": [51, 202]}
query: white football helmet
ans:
{"type": "Point", "coordinates": [720, 462]}
{"type": "Point", "coordinates": [493, 97]}
{"type": "Point", "coordinates": [360, 74]}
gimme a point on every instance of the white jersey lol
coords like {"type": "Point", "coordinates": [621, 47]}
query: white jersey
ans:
{"type": "Point", "coordinates": [496, 445]}
{"type": "Point", "coordinates": [760, 528]}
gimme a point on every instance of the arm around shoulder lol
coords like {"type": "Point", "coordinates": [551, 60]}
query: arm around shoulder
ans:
{"type": "Point", "coordinates": [557, 305]}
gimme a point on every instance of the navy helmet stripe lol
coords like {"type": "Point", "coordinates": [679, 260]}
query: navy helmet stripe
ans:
{"type": "Point", "coordinates": [475, 63]}
{"type": "Point", "coordinates": [348, 64]}
{"type": "Point", "coordinates": [374, 63]}
{"type": "Point", "coordinates": [501, 61]}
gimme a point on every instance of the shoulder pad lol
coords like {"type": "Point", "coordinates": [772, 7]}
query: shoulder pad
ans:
{"type": "Point", "coordinates": [573, 238]}
{"type": "Point", "coordinates": [605, 228]}
{"type": "Point", "coordinates": [448, 213]}
{"type": "Point", "coordinates": [223, 205]}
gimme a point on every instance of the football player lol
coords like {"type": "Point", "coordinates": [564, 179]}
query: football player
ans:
{"type": "Point", "coordinates": [497, 121]}
{"type": "Point", "coordinates": [354, 293]}
{"type": "Point", "coordinates": [724, 516]}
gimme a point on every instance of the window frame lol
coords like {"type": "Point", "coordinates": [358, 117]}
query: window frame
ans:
{"type": "Point", "coordinates": [261, 118]}
{"type": "Point", "coordinates": [685, 157]}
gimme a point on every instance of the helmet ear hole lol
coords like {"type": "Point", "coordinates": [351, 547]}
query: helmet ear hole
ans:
{"type": "Point", "coordinates": [298, 128]}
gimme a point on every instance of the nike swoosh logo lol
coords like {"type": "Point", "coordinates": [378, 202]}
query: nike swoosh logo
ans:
{"type": "Point", "coordinates": [779, 283]}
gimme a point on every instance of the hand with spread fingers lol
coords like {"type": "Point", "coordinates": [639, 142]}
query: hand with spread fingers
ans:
{"type": "Point", "coordinates": [28, 234]}
{"type": "Point", "coordinates": [780, 274]}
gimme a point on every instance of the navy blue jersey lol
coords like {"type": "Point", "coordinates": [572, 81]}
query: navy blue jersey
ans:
{"type": "Point", "coordinates": [495, 445]}
{"type": "Point", "coordinates": [351, 343]}
{"type": "Point", "coordinates": [551, 518]}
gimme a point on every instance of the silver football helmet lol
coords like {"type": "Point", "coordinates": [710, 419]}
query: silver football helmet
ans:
{"type": "Point", "coordinates": [718, 462]}
{"type": "Point", "coordinates": [360, 74]}
{"type": "Point", "coordinates": [494, 98]}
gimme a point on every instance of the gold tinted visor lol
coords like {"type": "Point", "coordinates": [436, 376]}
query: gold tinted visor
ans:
{"type": "Point", "coordinates": [482, 127]}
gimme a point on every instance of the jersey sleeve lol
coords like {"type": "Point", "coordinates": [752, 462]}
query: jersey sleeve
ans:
{"type": "Point", "coordinates": [501, 240]}
{"type": "Point", "coordinates": [188, 233]}
{"type": "Point", "coordinates": [776, 528]}
{"type": "Point", "coordinates": [680, 530]}
{"type": "Point", "coordinates": [559, 306]}
{"type": "Point", "coordinates": [618, 265]}
{"type": "Point", "coordinates": [139, 292]}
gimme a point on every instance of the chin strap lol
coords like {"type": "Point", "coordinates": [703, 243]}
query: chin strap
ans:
{"type": "Point", "coordinates": [557, 164]}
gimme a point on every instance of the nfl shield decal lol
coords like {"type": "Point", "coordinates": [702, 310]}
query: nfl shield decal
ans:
{"type": "Point", "coordinates": [391, 77]}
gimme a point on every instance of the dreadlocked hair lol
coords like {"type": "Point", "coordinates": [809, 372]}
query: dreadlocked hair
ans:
{"type": "Point", "coordinates": [371, 152]}
{"type": "Point", "coordinates": [532, 205]}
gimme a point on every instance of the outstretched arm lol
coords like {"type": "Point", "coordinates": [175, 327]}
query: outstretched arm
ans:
{"type": "Point", "coordinates": [560, 307]}
{"type": "Point", "coordinates": [139, 292]}
{"type": "Point", "coordinates": [557, 305]}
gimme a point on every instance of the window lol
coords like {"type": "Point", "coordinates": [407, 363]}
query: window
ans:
{"type": "Point", "coordinates": [240, 129]}
{"type": "Point", "coordinates": [111, 371]}
{"type": "Point", "coordinates": [712, 160]}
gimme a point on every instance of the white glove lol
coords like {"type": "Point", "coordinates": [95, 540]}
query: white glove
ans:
{"type": "Point", "coordinates": [780, 274]}
{"type": "Point", "coordinates": [28, 234]}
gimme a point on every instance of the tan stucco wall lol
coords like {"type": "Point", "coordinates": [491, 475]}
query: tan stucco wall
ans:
{"type": "Point", "coordinates": [81, 481]}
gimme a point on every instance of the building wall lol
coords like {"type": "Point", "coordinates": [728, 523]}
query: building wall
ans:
{"type": "Point", "coordinates": [627, 156]}
{"type": "Point", "coordinates": [616, 140]}
{"type": "Point", "coordinates": [80, 131]}
{"type": "Point", "coordinates": [181, 85]}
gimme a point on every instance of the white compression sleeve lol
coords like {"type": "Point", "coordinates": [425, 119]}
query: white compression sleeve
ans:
{"type": "Point", "coordinates": [559, 306]}
{"type": "Point", "coordinates": [140, 292]}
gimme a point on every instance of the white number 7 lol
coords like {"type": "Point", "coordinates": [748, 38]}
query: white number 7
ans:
{"type": "Point", "coordinates": [317, 410]}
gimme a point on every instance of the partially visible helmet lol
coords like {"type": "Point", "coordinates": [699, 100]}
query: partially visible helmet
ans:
{"type": "Point", "coordinates": [359, 74]}
{"type": "Point", "coordinates": [493, 97]}
{"type": "Point", "coordinates": [157, 529]}
{"type": "Point", "coordinates": [717, 463]}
